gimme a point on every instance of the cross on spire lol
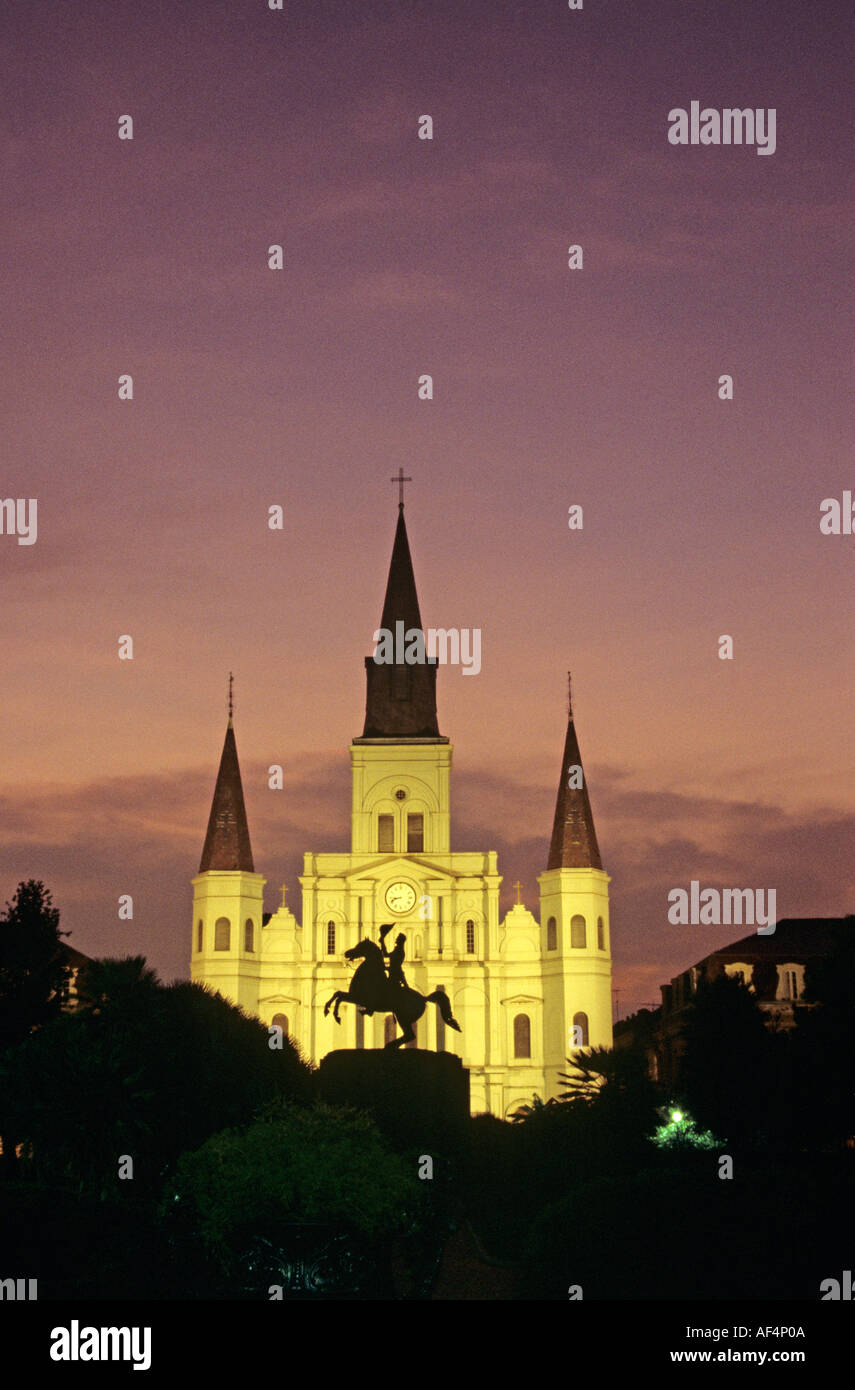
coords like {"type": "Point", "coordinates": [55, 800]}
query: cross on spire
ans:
{"type": "Point", "coordinates": [569, 695]}
{"type": "Point", "coordinates": [231, 696]}
{"type": "Point", "coordinates": [518, 887]}
{"type": "Point", "coordinates": [400, 480]}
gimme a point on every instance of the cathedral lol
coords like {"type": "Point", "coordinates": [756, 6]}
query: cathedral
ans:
{"type": "Point", "coordinates": [526, 990]}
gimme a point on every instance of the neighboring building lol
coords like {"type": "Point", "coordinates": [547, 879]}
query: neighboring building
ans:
{"type": "Point", "coordinates": [76, 960]}
{"type": "Point", "coordinates": [518, 986]}
{"type": "Point", "coordinates": [773, 967]}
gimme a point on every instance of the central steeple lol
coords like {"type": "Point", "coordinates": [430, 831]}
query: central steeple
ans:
{"type": "Point", "coordinates": [400, 699]}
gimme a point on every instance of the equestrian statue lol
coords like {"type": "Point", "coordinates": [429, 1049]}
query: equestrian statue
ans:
{"type": "Point", "coordinates": [374, 990]}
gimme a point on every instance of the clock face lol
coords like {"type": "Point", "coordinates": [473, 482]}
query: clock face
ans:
{"type": "Point", "coordinates": [400, 897]}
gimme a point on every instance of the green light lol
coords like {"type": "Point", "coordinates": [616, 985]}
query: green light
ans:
{"type": "Point", "coordinates": [681, 1132]}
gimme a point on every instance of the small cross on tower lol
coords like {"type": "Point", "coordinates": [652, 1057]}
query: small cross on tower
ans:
{"type": "Point", "coordinates": [518, 887]}
{"type": "Point", "coordinates": [231, 696]}
{"type": "Point", "coordinates": [400, 480]}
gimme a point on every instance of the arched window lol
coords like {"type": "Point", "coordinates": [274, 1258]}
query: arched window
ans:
{"type": "Point", "coordinates": [199, 935]}
{"type": "Point", "coordinates": [222, 934]}
{"type": "Point", "coordinates": [470, 938]}
{"type": "Point", "coordinates": [601, 934]}
{"type": "Point", "coordinates": [415, 833]}
{"type": "Point", "coordinates": [577, 933]}
{"type": "Point", "coordinates": [248, 935]}
{"type": "Point", "coordinates": [580, 1021]}
{"type": "Point", "coordinates": [552, 935]}
{"type": "Point", "coordinates": [522, 1036]}
{"type": "Point", "coordinates": [385, 834]}
{"type": "Point", "coordinates": [330, 938]}
{"type": "Point", "coordinates": [389, 1029]}
{"type": "Point", "coordinates": [282, 1021]}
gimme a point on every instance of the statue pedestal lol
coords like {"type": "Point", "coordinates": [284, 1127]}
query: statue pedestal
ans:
{"type": "Point", "coordinates": [416, 1098]}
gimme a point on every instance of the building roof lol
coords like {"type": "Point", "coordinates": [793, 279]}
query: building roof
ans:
{"type": "Point", "coordinates": [227, 841]}
{"type": "Point", "coordinates": [73, 957]}
{"type": "Point", "coordinates": [796, 938]}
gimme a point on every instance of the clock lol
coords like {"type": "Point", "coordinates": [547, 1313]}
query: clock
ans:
{"type": "Point", "coordinates": [400, 897]}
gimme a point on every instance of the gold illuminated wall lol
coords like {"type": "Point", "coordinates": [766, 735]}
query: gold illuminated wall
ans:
{"type": "Point", "coordinates": [497, 973]}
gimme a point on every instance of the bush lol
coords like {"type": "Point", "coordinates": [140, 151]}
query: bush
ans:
{"type": "Point", "coordinates": [326, 1166]}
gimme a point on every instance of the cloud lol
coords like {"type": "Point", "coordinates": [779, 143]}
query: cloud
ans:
{"type": "Point", "coordinates": [143, 835]}
{"type": "Point", "coordinates": [396, 289]}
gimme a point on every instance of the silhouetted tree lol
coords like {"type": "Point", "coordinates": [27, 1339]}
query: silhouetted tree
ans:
{"type": "Point", "coordinates": [764, 978]}
{"type": "Point", "coordinates": [33, 978]}
{"type": "Point", "coordinates": [726, 1076]}
{"type": "Point", "coordinates": [599, 1125]}
{"type": "Point", "coordinates": [116, 985]}
{"type": "Point", "coordinates": [140, 1069]}
{"type": "Point", "coordinates": [536, 1104]}
{"type": "Point", "coordinates": [287, 1183]}
{"type": "Point", "coordinates": [612, 1088]}
{"type": "Point", "coordinates": [498, 1187]}
{"type": "Point", "coordinates": [33, 971]}
{"type": "Point", "coordinates": [823, 1047]}
{"type": "Point", "coordinates": [604, 1072]}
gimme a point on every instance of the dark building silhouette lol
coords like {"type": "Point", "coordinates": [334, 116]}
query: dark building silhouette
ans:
{"type": "Point", "coordinates": [772, 967]}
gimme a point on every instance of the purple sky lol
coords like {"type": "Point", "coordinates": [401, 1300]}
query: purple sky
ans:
{"type": "Point", "coordinates": [598, 387]}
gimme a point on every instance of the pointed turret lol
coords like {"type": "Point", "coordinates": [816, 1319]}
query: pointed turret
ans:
{"type": "Point", "coordinates": [574, 921]}
{"type": "Point", "coordinates": [227, 841]}
{"type": "Point", "coordinates": [574, 840]}
{"type": "Point", "coordinates": [401, 697]}
{"type": "Point", "coordinates": [228, 895]}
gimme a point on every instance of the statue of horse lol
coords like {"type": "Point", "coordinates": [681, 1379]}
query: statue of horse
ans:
{"type": "Point", "coordinates": [371, 989]}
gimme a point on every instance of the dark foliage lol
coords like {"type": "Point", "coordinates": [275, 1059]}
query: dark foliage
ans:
{"type": "Point", "coordinates": [33, 972]}
{"type": "Point", "coordinates": [33, 981]}
{"type": "Point", "coordinates": [678, 1231]}
{"type": "Point", "coordinates": [764, 978]}
{"type": "Point", "coordinates": [728, 1067]}
{"type": "Point", "coordinates": [139, 1069]}
{"type": "Point", "coordinates": [822, 1068]}
{"type": "Point", "coordinates": [601, 1127]}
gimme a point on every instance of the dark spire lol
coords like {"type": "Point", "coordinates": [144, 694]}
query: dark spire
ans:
{"type": "Point", "coordinates": [401, 698]}
{"type": "Point", "coordinates": [227, 841]}
{"type": "Point", "coordinates": [574, 840]}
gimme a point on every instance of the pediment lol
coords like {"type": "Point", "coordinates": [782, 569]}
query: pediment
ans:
{"type": "Point", "coordinates": [403, 864]}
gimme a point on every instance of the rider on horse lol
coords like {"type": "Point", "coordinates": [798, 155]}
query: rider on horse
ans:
{"type": "Point", "coordinates": [395, 968]}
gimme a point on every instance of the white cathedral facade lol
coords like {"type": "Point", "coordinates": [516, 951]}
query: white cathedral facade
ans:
{"type": "Point", "coordinates": [526, 990]}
